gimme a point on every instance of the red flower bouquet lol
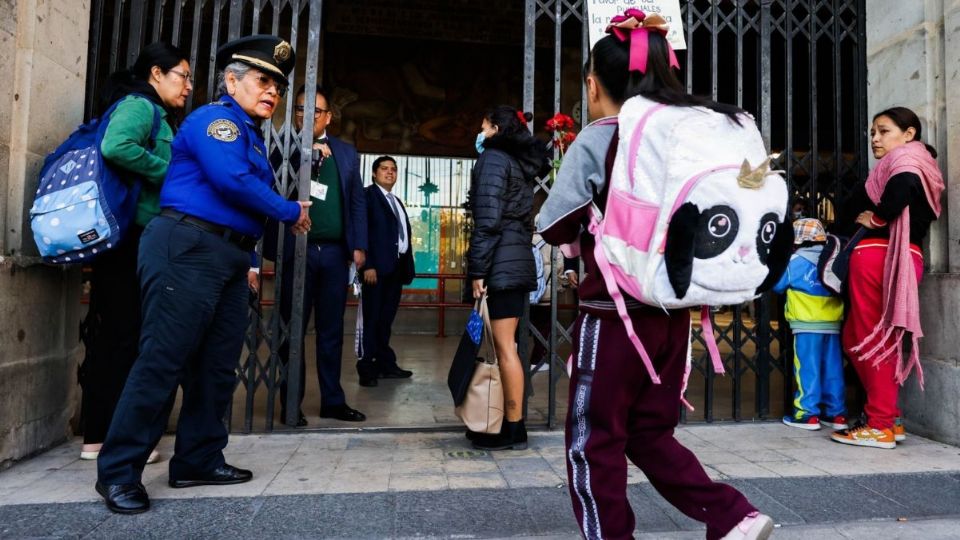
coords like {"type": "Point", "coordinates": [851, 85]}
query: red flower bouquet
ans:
{"type": "Point", "coordinates": [561, 129]}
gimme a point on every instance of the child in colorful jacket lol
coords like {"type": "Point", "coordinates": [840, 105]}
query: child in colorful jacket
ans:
{"type": "Point", "coordinates": [814, 314]}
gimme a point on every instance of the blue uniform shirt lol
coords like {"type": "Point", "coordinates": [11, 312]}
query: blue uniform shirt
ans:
{"type": "Point", "coordinates": [219, 171]}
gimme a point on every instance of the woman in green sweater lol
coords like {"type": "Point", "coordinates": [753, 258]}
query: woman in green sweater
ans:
{"type": "Point", "coordinates": [160, 80]}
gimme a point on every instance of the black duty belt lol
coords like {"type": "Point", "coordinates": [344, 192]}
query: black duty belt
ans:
{"type": "Point", "coordinates": [243, 241]}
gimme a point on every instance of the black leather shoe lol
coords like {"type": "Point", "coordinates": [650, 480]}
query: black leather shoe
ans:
{"type": "Point", "coordinates": [221, 476]}
{"type": "Point", "coordinates": [342, 412]}
{"type": "Point", "coordinates": [301, 420]}
{"type": "Point", "coordinates": [369, 382]}
{"type": "Point", "coordinates": [124, 498]}
{"type": "Point", "coordinates": [394, 372]}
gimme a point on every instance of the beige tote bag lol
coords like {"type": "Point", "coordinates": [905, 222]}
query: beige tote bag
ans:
{"type": "Point", "coordinates": [482, 409]}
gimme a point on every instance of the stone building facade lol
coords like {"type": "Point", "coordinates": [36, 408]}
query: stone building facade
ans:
{"type": "Point", "coordinates": [43, 60]}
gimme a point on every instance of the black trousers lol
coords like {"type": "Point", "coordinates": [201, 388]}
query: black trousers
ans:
{"type": "Point", "coordinates": [194, 315]}
{"type": "Point", "coordinates": [110, 333]}
{"type": "Point", "coordinates": [380, 304]}
{"type": "Point", "coordinates": [324, 295]}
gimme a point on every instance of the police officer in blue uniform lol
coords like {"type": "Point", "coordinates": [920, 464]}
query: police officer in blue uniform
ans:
{"type": "Point", "coordinates": [192, 264]}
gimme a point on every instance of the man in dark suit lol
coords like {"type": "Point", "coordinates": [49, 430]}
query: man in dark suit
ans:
{"type": "Point", "coordinates": [337, 237]}
{"type": "Point", "coordinates": [388, 268]}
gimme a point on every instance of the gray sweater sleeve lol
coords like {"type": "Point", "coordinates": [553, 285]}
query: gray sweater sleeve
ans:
{"type": "Point", "coordinates": [581, 175]}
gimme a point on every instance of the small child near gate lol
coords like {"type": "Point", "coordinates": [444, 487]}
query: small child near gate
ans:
{"type": "Point", "coordinates": [814, 314]}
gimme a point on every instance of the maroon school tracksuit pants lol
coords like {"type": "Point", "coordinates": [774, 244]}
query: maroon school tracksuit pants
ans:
{"type": "Point", "coordinates": [615, 409]}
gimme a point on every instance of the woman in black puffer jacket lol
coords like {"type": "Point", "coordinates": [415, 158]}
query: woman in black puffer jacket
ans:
{"type": "Point", "coordinates": [500, 261]}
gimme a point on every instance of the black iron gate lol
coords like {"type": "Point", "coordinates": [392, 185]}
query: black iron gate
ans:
{"type": "Point", "coordinates": [798, 65]}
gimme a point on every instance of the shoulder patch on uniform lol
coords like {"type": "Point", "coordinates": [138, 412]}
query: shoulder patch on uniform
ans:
{"type": "Point", "coordinates": [223, 130]}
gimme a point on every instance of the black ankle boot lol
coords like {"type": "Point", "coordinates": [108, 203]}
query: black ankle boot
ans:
{"type": "Point", "coordinates": [513, 436]}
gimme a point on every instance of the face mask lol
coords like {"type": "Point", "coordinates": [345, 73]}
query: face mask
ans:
{"type": "Point", "coordinates": [797, 215]}
{"type": "Point", "coordinates": [479, 144]}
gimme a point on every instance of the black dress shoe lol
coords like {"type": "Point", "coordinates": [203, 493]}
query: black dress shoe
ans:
{"type": "Point", "coordinates": [369, 382]}
{"type": "Point", "coordinates": [301, 420]}
{"type": "Point", "coordinates": [342, 412]}
{"type": "Point", "coordinates": [394, 372]}
{"type": "Point", "coordinates": [124, 498]}
{"type": "Point", "coordinates": [221, 476]}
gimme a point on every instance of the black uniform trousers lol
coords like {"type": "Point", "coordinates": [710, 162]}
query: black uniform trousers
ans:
{"type": "Point", "coordinates": [324, 294]}
{"type": "Point", "coordinates": [194, 298]}
{"type": "Point", "coordinates": [111, 334]}
{"type": "Point", "coordinates": [380, 304]}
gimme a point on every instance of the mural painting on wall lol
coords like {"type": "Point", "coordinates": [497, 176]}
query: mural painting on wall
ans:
{"type": "Point", "coordinates": [417, 97]}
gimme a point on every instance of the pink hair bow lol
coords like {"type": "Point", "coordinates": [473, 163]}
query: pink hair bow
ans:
{"type": "Point", "coordinates": [639, 25]}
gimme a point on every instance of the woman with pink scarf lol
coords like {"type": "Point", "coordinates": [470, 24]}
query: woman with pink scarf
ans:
{"type": "Point", "coordinates": [899, 200]}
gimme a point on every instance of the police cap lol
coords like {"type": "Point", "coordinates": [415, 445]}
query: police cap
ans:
{"type": "Point", "coordinates": [269, 54]}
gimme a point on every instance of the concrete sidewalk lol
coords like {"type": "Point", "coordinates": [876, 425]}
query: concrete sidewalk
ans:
{"type": "Point", "coordinates": [379, 485]}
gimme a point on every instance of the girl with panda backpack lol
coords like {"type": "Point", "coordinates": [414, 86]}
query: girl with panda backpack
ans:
{"type": "Point", "coordinates": [622, 401]}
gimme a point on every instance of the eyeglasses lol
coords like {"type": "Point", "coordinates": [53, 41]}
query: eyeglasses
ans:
{"type": "Point", "coordinates": [187, 78]}
{"type": "Point", "coordinates": [317, 111]}
{"type": "Point", "coordinates": [266, 81]}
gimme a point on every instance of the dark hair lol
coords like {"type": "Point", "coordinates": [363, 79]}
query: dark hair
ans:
{"type": "Point", "coordinates": [136, 77]}
{"type": "Point", "coordinates": [514, 138]}
{"type": "Point", "coordinates": [381, 159]}
{"type": "Point", "coordinates": [610, 59]}
{"type": "Point", "coordinates": [905, 119]}
{"type": "Point", "coordinates": [509, 127]}
{"type": "Point", "coordinates": [321, 91]}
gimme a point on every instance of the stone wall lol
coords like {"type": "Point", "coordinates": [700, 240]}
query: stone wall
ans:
{"type": "Point", "coordinates": [913, 60]}
{"type": "Point", "coordinates": [43, 47]}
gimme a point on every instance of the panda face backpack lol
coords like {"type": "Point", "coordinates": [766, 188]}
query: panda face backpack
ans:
{"type": "Point", "coordinates": [694, 215]}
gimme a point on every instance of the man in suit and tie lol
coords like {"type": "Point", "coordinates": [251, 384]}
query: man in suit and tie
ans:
{"type": "Point", "coordinates": [337, 237]}
{"type": "Point", "coordinates": [389, 266]}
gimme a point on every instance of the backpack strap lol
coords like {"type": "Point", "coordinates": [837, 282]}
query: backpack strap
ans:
{"type": "Point", "coordinates": [614, 291]}
{"type": "Point", "coordinates": [155, 130]}
{"type": "Point", "coordinates": [637, 137]}
{"type": "Point", "coordinates": [596, 225]}
{"type": "Point", "coordinates": [706, 325]}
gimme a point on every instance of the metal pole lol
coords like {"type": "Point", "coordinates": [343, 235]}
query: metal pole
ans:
{"type": "Point", "coordinates": [297, 319]}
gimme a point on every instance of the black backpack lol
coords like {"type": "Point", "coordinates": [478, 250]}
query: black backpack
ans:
{"type": "Point", "coordinates": [833, 267]}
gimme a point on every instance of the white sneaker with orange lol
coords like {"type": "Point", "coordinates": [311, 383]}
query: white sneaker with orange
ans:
{"type": "Point", "coordinates": [899, 432]}
{"type": "Point", "coordinates": [866, 436]}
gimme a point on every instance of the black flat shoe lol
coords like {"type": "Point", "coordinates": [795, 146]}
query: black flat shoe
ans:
{"type": "Point", "coordinates": [369, 382]}
{"type": "Point", "coordinates": [221, 476]}
{"type": "Point", "coordinates": [512, 436]}
{"type": "Point", "coordinates": [124, 498]}
{"type": "Point", "coordinates": [395, 373]}
{"type": "Point", "coordinates": [342, 412]}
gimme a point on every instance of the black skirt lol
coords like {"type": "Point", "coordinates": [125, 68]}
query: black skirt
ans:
{"type": "Point", "coordinates": [507, 304]}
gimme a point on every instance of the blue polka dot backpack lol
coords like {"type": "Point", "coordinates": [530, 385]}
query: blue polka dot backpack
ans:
{"type": "Point", "coordinates": [82, 207]}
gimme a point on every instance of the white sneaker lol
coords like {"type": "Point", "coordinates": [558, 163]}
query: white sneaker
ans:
{"type": "Point", "coordinates": [89, 456]}
{"type": "Point", "coordinates": [755, 526]}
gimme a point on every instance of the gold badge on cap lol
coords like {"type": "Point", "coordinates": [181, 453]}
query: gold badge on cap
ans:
{"type": "Point", "coordinates": [281, 53]}
{"type": "Point", "coordinates": [223, 130]}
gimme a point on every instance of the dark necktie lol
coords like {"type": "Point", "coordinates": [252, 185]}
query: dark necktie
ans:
{"type": "Point", "coordinates": [396, 212]}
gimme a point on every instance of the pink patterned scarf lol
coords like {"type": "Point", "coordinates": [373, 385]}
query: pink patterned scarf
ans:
{"type": "Point", "coordinates": [901, 302]}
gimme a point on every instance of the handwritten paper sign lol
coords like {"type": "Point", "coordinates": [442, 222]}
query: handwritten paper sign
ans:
{"type": "Point", "coordinates": [600, 12]}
